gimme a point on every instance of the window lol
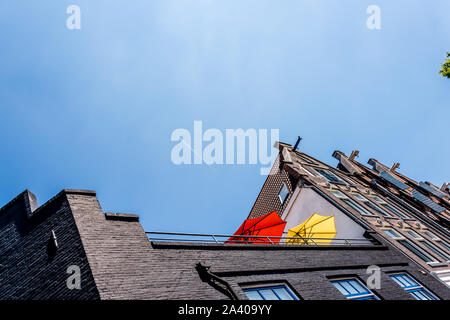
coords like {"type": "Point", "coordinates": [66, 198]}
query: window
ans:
{"type": "Point", "coordinates": [305, 159]}
{"type": "Point", "coordinates": [354, 289]}
{"type": "Point", "coordinates": [445, 245]}
{"type": "Point", "coordinates": [413, 234]}
{"type": "Point", "coordinates": [413, 287]}
{"type": "Point", "coordinates": [390, 208]}
{"type": "Point", "coordinates": [310, 171]}
{"type": "Point", "coordinates": [279, 292]}
{"type": "Point", "coordinates": [410, 245]}
{"type": "Point", "coordinates": [393, 233]}
{"type": "Point", "coordinates": [371, 205]}
{"type": "Point", "coordinates": [429, 244]}
{"type": "Point", "coordinates": [338, 194]}
{"type": "Point", "coordinates": [436, 250]}
{"type": "Point", "coordinates": [283, 194]}
{"type": "Point", "coordinates": [331, 176]}
{"type": "Point", "coordinates": [417, 251]}
{"type": "Point", "coordinates": [431, 235]}
{"type": "Point", "coordinates": [352, 203]}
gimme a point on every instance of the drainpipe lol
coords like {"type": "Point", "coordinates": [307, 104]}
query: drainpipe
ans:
{"type": "Point", "coordinates": [212, 279]}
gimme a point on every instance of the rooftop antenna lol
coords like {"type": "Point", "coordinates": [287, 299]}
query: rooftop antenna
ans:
{"type": "Point", "coordinates": [297, 143]}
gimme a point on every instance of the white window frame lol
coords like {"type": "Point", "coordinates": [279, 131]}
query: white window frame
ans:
{"type": "Point", "coordinates": [396, 212]}
{"type": "Point", "coordinates": [340, 180]}
{"type": "Point", "coordinates": [340, 195]}
{"type": "Point", "coordinates": [431, 235]}
{"type": "Point", "coordinates": [394, 232]}
{"type": "Point", "coordinates": [413, 234]}
{"type": "Point", "coordinates": [366, 201]}
{"type": "Point", "coordinates": [283, 201]}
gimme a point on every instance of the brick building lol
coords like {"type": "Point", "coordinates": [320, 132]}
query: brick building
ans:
{"type": "Point", "coordinates": [412, 216]}
{"type": "Point", "coordinates": [39, 245]}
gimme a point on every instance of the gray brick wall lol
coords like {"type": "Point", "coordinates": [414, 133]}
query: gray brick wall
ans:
{"type": "Point", "coordinates": [28, 270]}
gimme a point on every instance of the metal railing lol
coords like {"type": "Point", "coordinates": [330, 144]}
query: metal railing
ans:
{"type": "Point", "coordinates": [251, 239]}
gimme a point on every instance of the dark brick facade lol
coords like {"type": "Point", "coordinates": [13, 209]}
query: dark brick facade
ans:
{"type": "Point", "coordinates": [29, 269]}
{"type": "Point", "coordinates": [268, 200]}
{"type": "Point", "coordinates": [118, 261]}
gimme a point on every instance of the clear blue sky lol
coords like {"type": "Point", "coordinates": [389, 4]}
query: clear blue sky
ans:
{"type": "Point", "coordinates": [94, 108]}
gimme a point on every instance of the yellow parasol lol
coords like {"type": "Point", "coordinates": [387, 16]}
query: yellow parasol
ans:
{"type": "Point", "coordinates": [316, 226]}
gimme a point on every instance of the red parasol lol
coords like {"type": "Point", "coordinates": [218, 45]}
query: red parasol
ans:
{"type": "Point", "coordinates": [269, 225]}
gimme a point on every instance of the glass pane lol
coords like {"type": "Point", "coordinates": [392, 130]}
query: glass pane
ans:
{"type": "Point", "coordinates": [378, 209]}
{"type": "Point", "coordinates": [406, 281]}
{"type": "Point", "coordinates": [340, 288]}
{"type": "Point", "coordinates": [445, 245]}
{"type": "Point", "coordinates": [357, 207]}
{"type": "Point", "coordinates": [359, 197]}
{"type": "Point", "coordinates": [422, 294]}
{"type": "Point", "coordinates": [330, 176]}
{"type": "Point", "coordinates": [392, 233]}
{"type": "Point", "coordinates": [436, 250]}
{"type": "Point", "coordinates": [417, 251]}
{"type": "Point", "coordinates": [283, 294]}
{"type": "Point", "coordinates": [428, 295]}
{"type": "Point", "coordinates": [252, 295]}
{"type": "Point", "coordinates": [348, 287]}
{"type": "Point", "coordinates": [284, 193]}
{"type": "Point", "coordinates": [395, 211]}
{"type": "Point", "coordinates": [417, 295]}
{"type": "Point", "coordinates": [399, 281]}
{"type": "Point", "coordinates": [358, 286]}
{"type": "Point", "coordinates": [431, 235]}
{"type": "Point", "coordinates": [413, 234]}
{"type": "Point", "coordinates": [378, 199]}
{"type": "Point", "coordinates": [268, 294]}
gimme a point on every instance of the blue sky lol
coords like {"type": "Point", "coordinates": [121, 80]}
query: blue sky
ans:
{"type": "Point", "coordinates": [95, 108]}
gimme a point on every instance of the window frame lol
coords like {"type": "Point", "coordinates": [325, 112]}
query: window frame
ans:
{"type": "Point", "coordinates": [325, 172]}
{"type": "Point", "coordinates": [361, 295]}
{"type": "Point", "coordinates": [283, 186]}
{"type": "Point", "coordinates": [258, 287]}
{"type": "Point", "coordinates": [371, 205]}
{"type": "Point", "coordinates": [393, 231]}
{"type": "Point", "coordinates": [353, 204]}
{"type": "Point", "coordinates": [415, 287]}
{"type": "Point", "coordinates": [411, 246]}
{"type": "Point", "coordinates": [433, 236]}
{"type": "Point", "coordinates": [390, 207]}
{"type": "Point", "coordinates": [421, 251]}
{"type": "Point", "coordinates": [410, 232]}
{"type": "Point", "coordinates": [436, 250]}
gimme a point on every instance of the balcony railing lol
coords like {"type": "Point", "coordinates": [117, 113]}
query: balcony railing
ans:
{"type": "Point", "coordinates": [241, 239]}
